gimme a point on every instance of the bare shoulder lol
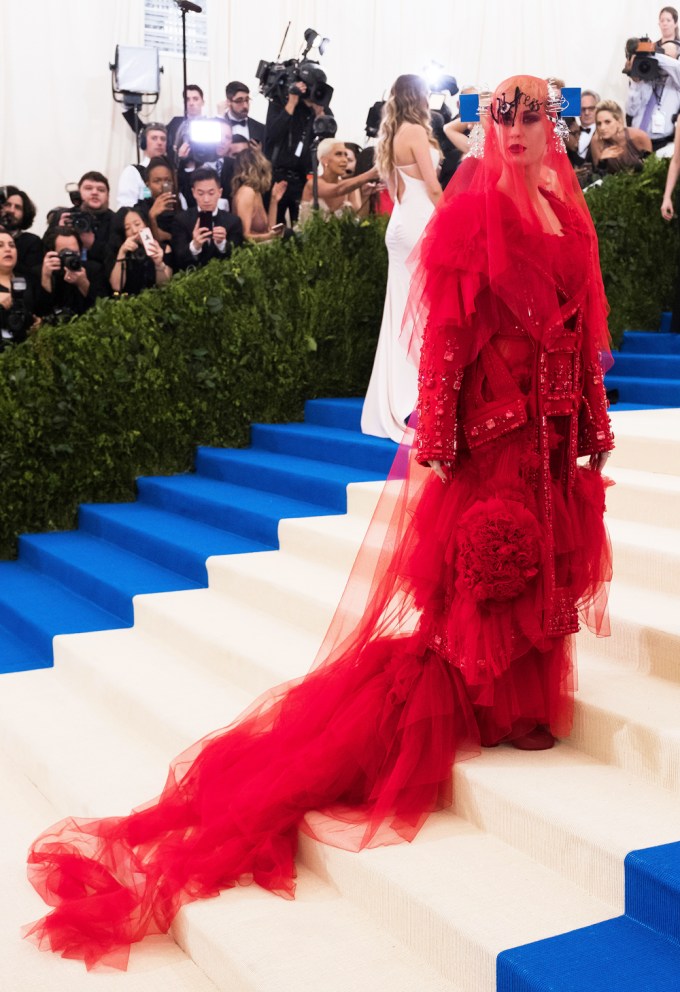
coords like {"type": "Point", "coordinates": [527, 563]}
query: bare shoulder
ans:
{"type": "Point", "coordinates": [245, 194]}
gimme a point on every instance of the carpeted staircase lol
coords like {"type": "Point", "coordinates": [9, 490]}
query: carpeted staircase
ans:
{"type": "Point", "coordinates": [534, 847]}
{"type": "Point", "coordinates": [85, 580]}
{"type": "Point", "coordinates": [646, 371]}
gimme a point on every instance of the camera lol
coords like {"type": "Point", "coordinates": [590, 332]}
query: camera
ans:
{"type": "Point", "coordinates": [279, 79]}
{"type": "Point", "coordinates": [641, 61]}
{"type": "Point", "coordinates": [80, 220]}
{"type": "Point", "coordinates": [70, 260]}
{"type": "Point", "coordinates": [18, 318]}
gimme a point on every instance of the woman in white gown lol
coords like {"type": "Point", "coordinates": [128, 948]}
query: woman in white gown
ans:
{"type": "Point", "coordinates": [407, 156]}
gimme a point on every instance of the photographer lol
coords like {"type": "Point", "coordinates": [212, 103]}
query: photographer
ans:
{"type": "Point", "coordinates": [653, 97]}
{"type": "Point", "coordinates": [137, 261]}
{"type": "Point", "coordinates": [16, 316]}
{"type": "Point", "coordinates": [205, 232]}
{"type": "Point", "coordinates": [17, 214]}
{"type": "Point", "coordinates": [288, 142]}
{"type": "Point", "coordinates": [90, 216]}
{"type": "Point", "coordinates": [153, 141]}
{"type": "Point", "coordinates": [204, 147]}
{"type": "Point", "coordinates": [192, 95]}
{"type": "Point", "coordinates": [68, 285]}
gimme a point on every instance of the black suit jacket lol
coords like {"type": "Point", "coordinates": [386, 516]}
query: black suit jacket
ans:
{"type": "Point", "coordinates": [182, 232]}
{"type": "Point", "coordinates": [255, 129]}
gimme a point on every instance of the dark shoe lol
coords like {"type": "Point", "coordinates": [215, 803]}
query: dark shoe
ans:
{"type": "Point", "coordinates": [538, 739]}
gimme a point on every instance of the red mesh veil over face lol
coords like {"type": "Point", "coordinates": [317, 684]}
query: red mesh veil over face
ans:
{"type": "Point", "coordinates": [522, 188]}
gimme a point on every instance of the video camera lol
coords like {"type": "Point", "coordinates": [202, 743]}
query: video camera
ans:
{"type": "Point", "coordinates": [279, 79]}
{"type": "Point", "coordinates": [641, 61]}
{"type": "Point", "coordinates": [18, 319]}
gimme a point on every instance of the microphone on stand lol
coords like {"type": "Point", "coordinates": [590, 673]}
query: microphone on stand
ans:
{"type": "Point", "coordinates": [185, 6]}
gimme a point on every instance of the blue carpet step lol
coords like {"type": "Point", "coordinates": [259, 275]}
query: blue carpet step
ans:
{"type": "Point", "coordinates": [646, 366]}
{"type": "Point", "coordinates": [239, 509]}
{"type": "Point", "coordinates": [637, 952]}
{"type": "Point", "coordinates": [175, 542]}
{"type": "Point", "coordinates": [323, 483]}
{"type": "Point", "coordinates": [651, 342]}
{"type": "Point", "coordinates": [619, 955]}
{"type": "Point", "coordinates": [326, 444]}
{"type": "Point", "coordinates": [648, 392]}
{"type": "Point", "coordinates": [39, 607]}
{"type": "Point", "coordinates": [345, 413]}
{"type": "Point", "coordinates": [107, 574]}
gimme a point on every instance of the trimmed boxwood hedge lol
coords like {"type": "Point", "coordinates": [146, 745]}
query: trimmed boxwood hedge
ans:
{"type": "Point", "coordinates": [638, 248]}
{"type": "Point", "coordinates": [134, 385]}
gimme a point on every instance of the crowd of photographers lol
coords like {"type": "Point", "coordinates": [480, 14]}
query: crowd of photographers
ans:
{"type": "Point", "coordinates": [205, 184]}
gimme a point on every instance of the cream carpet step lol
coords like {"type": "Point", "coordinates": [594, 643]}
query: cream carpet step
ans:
{"type": "Point", "coordinates": [241, 642]}
{"type": "Point", "coordinates": [362, 498]}
{"type": "Point", "coordinates": [335, 539]}
{"type": "Point", "coordinates": [647, 440]}
{"type": "Point", "coordinates": [566, 810]}
{"type": "Point", "coordinates": [645, 632]}
{"type": "Point", "coordinates": [165, 697]}
{"type": "Point", "coordinates": [628, 719]}
{"type": "Point", "coordinates": [457, 895]}
{"type": "Point", "coordinates": [300, 592]}
{"type": "Point", "coordinates": [646, 555]}
{"type": "Point", "coordinates": [84, 760]}
{"type": "Point", "coordinates": [252, 941]}
{"type": "Point", "coordinates": [639, 496]}
{"type": "Point", "coordinates": [158, 965]}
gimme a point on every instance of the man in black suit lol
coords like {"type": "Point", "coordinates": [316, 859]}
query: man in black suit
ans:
{"type": "Point", "coordinates": [193, 97]}
{"type": "Point", "coordinates": [236, 112]}
{"type": "Point", "coordinates": [205, 232]}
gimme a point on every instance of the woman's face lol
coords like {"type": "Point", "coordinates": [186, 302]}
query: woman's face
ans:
{"type": "Point", "coordinates": [133, 224]}
{"type": "Point", "coordinates": [8, 253]}
{"type": "Point", "coordinates": [522, 136]}
{"type": "Point", "coordinates": [608, 127]}
{"type": "Point", "coordinates": [351, 162]}
{"type": "Point", "coordinates": [666, 25]}
{"type": "Point", "coordinates": [336, 161]}
{"type": "Point", "coordinates": [157, 178]}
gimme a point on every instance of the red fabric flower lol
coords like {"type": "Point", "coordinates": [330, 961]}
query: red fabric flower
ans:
{"type": "Point", "coordinates": [498, 550]}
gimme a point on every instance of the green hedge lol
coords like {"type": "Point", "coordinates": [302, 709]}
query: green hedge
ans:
{"type": "Point", "coordinates": [638, 248]}
{"type": "Point", "coordinates": [134, 385]}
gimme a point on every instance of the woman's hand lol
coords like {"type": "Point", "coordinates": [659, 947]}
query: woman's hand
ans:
{"type": "Point", "coordinates": [130, 244]}
{"type": "Point", "coordinates": [278, 189]}
{"type": "Point", "coordinates": [441, 469]}
{"type": "Point", "coordinates": [155, 253]}
{"type": "Point", "coordinates": [667, 211]}
{"type": "Point", "coordinates": [162, 204]}
{"type": "Point", "coordinates": [5, 300]}
{"type": "Point", "coordinates": [598, 461]}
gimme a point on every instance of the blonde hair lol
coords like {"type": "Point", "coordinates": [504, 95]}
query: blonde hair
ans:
{"type": "Point", "coordinates": [407, 103]}
{"type": "Point", "coordinates": [326, 147]}
{"type": "Point", "coordinates": [252, 169]}
{"type": "Point", "coordinates": [612, 107]}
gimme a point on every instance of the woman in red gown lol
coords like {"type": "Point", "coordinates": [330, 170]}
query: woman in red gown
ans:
{"type": "Point", "coordinates": [455, 629]}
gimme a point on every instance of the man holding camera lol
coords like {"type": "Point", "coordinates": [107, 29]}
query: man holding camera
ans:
{"type": "Point", "coordinates": [288, 140]}
{"type": "Point", "coordinates": [195, 104]}
{"type": "Point", "coordinates": [91, 216]}
{"type": "Point", "coordinates": [153, 141]}
{"type": "Point", "coordinates": [204, 232]}
{"type": "Point", "coordinates": [653, 97]}
{"type": "Point", "coordinates": [68, 285]}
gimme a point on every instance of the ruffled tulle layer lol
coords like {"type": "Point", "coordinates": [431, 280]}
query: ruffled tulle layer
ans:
{"type": "Point", "coordinates": [449, 650]}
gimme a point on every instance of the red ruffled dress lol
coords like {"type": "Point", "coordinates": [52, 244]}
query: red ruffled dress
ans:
{"type": "Point", "coordinates": [454, 628]}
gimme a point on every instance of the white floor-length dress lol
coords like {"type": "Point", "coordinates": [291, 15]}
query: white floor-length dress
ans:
{"type": "Point", "coordinates": [393, 387]}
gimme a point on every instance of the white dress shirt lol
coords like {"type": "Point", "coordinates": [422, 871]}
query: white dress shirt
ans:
{"type": "Point", "coordinates": [131, 186]}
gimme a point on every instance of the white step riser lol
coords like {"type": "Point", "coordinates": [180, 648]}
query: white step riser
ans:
{"type": "Point", "coordinates": [640, 566]}
{"type": "Point", "coordinates": [638, 503]}
{"type": "Point", "coordinates": [649, 455]}
{"type": "Point", "coordinates": [636, 647]}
